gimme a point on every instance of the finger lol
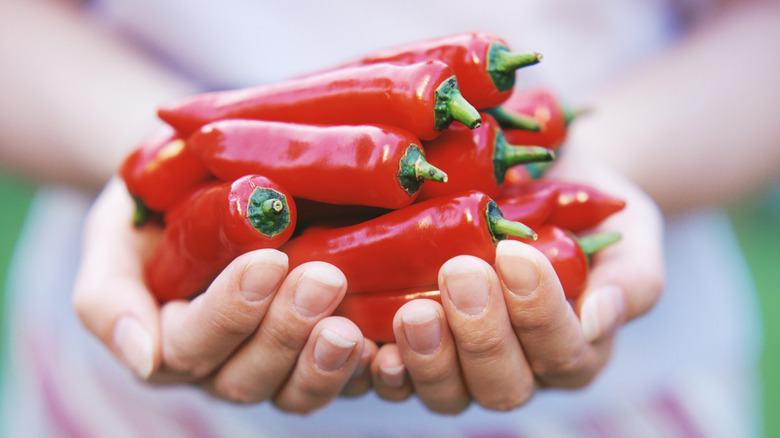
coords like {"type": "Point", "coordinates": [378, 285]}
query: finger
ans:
{"type": "Point", "coordinates": [492, 361]}
{"type": "Point", "coordinates": [543, 320]}
{"type": "Point", "coordinates": [627, 278]}
{"type": "Point", "coordinates": [324, 367]}
{"type": "Point", "coordinates": [109, 295]}
{"type": "Point", "coordinates": [361, 381]}
{"type": "Point", "coordinates": [430, 356]}
{"type": "Point", "coordinates": [389, 374]}
{"type": "Point", "coordinates": [256, 372]}
{"type": "Point", "coordinates": [199, 335]}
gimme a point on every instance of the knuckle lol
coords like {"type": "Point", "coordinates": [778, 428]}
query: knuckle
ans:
{"type": "Point", "coordinates": [484, 343]}
{"type": "Point", "coordinates": [180, 361]}
{"type": "Point", "coordinates": [235, 392]}
{"type": "Point", "coordinates": [234, 322]}
{"type": "Point", "coordinates": [283, 336]}
{"type": "Point", "coordinates": [568, 372]}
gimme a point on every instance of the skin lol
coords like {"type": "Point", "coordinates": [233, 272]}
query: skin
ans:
{"type": "Point", "coordinates": [494, 348]}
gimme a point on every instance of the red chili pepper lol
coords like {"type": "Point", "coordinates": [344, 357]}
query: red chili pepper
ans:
{"type": "Point", "coordinates": [534, 116]}
{"type": "Point", "coordinates": [160, 171]}
{"type": "Point", "coordinates": [579, 206]}
{"type": "Point", "coordinates": [422, 98]}
{"type": "Point", "coordinates": [533, 208]}
{"type": "Point", "coordinates": [570, 255]}
{"type": "Point", "coordinates": [483, 65]}
{"type": "Point", "coordinates": [476, 159]}
{"type": "Point", "coordinates": [406, 247]}
{"type": "Point", "coordinates": [212, 226]}
{"type": "Point", "coordinates": [372, 165]}
{"type": "Point", "coordinates": [373, 313]}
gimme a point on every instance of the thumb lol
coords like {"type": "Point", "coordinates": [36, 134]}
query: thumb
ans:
{"type": "Point", "coordinates": [109, 294]}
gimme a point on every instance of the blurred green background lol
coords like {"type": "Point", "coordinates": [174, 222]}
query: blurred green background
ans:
{"type": "Point", "coordinates": [757, 222]}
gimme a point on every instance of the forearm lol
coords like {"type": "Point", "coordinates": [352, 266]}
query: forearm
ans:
{"type": "Point", "coordinates": [697, 126]}
{"type": "Point", "coordinates": [75, 98]}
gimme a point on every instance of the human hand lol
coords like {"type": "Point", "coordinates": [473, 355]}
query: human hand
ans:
{"type": "Point", "coordinates": [257, 333]}
{"type": "Point", "coordinates": [503, 331]}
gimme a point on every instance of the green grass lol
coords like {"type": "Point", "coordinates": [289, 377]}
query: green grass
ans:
{"type": "Point", "coordinates": [758, 231]}
{"type": "Point", "coordinates": [15, 195]}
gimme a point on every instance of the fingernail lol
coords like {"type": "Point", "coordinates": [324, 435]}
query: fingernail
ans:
{"type": "Point", "coordinates": [316, 290]}
{"type": "Point", "coordinates": [519, 271]}
{"type": "Point", "coordinates": [467, 285]}
{"type": "Point", "coordinates": [261, 277]}
{"type": "Point", "coordinates": [423, 329]}
{"type": "Point", "coordinates": [392, 377]}
{"type": "Point", "coordinates": [602, 312]}
{"type": "Point", "coordinates": [134, 346]}
{"type": "Point", "coordinates": [331, 350]}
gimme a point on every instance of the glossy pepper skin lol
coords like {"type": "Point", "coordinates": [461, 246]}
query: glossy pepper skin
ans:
{"type": "Point", "coordinates": [422, 98]}
{"type": "Point", "coordinates": [160, 171]}
{"type": "Point", "coordinates": [533, 208]}
{"type": "Point", "coordinates": [476, 159]}
{"type": "Point", "coordinates": [371, 165]}
{"type": "Point", "coordinates": [373, 313]}
{"type": "Point", "coordinates": [578, 206]}
{"type": "Point", "coordinates": [570, 255]}
{"type": "Point", "coordinates": [539, 106]}
{"type": "Point", "coordinates": [482, 62]}
{"type": "Point", "coordinates": [406, 247]}
{"type": "Point", "coordinates": [210, 227]}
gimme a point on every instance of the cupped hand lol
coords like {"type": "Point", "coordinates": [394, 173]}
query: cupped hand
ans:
{"type": "Point", "coordinates": [257, 333]}
{"type": "Point", "coordinates": [502, 332]}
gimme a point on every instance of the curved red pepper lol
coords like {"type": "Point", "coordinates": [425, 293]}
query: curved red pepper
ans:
{"type": "Point", "coordinates": [422, 98]}
{"type": "Point", "coordinates": [570, 255]}
{"type": "Point", "coordinates": [161, 170]}
{"type": "Point", "coordinates": [534, 116]}
{"type": "Point", "coordinates": [378, 166]}
{"type": "Point", "coordinates": [406, 247]}
{"type": "Point", "coordinates": [476, 159]}
{"type": "Point", "coordinates": [210, 227]}
{"type": "Point", "coordinates": [483, 65]}
{"type": "Point", "coordinates": [373, 312]}
{"type": "Point", "coordinates": [578, 207]}
{"type": "Point", "coordinates": [532, 208]}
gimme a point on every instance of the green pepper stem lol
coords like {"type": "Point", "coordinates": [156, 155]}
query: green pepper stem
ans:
{"type": "Point", "coordinates": [509, 120]}
{"type": "Point", "coordinates": [463, 112]}
{"type": "Point", "coordinates": [506, 155]}
{"type": "Point", "coordinates": [570, 114]}
{"type": "Point", "coordinates": [502, 64]}
{"type": "Point", "coordinates": [141, 213]}
{"type": "Point", "coordinates": [506, 61]}
{"type": "Point", "coordinates": [424, 170]}
{"type": "Point", "coordinates": [501, 227]}
{"type": "Point", "coordinates": [413, 170]}
{"type": "Point", "coordinates": [272, 207]}
{"type": "Point", "coordinates": [451, 106]}
{"type": "Point", "coordinates": [267, 211]}
{"type": "Point", "coordinates": [592, 243]}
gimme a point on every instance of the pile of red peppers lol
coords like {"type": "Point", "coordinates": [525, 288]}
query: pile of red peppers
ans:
{"type": "Point", "coordinates": [386, 167]}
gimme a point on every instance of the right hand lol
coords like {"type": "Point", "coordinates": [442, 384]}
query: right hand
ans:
{"type": "Point", "coordinates": [257, 333]}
